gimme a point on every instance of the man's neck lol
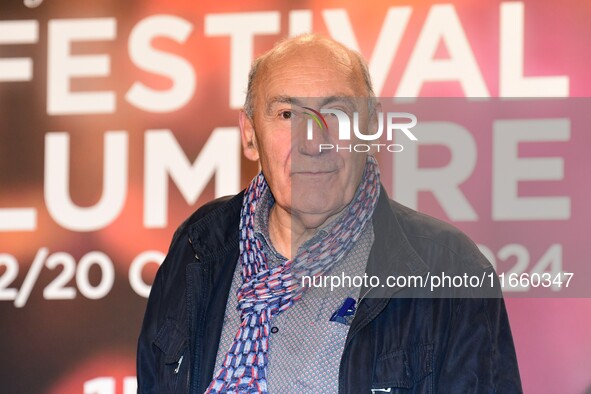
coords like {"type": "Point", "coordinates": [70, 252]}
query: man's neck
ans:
{"type": "Point", "coordinates": [288, 231]}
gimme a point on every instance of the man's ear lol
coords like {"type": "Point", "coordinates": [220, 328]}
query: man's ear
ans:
{"type": "Point", "coordinates": [249, 142]}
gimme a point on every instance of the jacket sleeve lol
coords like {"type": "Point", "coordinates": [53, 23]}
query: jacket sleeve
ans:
{"type": "Point", "coordinates": [146, 356]}
{"type": "Point", "coordinates": [480, 355]}
{"type": "Point", "coordinates": [150, 359]}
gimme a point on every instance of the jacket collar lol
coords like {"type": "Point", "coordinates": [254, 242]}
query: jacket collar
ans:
{"type": "Point", "coordinates": [391, 253]}
{"type": "Point", "coordinates": [215, 233]}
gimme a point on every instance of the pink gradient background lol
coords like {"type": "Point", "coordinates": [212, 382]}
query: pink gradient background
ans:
{"type": "Point", "coordinates": [54, 346]}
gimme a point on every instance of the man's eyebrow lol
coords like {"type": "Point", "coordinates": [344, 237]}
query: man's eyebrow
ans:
{"type": "Point", "coordinates": [335, 99]}
{"type": "Point", "coordinates": [283, 100]}
{"type": "Point", "coordinates": [300, 102]}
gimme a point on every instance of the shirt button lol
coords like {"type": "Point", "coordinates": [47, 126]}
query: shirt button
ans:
{"type": "Point", "coordinates": [274, 330]}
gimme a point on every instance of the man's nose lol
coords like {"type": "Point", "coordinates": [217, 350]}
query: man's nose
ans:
{"type": "Point", "coordinates": [310, 138]}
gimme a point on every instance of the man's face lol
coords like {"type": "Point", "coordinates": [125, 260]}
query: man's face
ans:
{"type": "Point", "coordinates": [309, 184]}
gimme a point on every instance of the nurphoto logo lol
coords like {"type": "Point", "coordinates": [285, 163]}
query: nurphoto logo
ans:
{"type": "Point", "coordinates": [402, 121]}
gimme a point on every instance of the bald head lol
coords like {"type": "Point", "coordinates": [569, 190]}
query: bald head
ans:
{"type": "Point", "coordinates": [302, 47]}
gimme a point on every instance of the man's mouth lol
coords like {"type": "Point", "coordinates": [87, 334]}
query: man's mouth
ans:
{"type": "Point", "coordinates": [313, 172]}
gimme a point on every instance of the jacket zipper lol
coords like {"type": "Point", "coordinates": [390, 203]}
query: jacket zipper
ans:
{"type": "Point", "coordinates": [178, 367]}
{"type": "Point", "coordinates": [198, 334]}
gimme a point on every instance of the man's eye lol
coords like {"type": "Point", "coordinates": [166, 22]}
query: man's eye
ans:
{"type": "Point", "coordinates": [285, 115]}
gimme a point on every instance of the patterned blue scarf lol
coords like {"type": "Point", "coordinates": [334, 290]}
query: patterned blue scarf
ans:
{"type": "Point", "coordinates": [266, 293]}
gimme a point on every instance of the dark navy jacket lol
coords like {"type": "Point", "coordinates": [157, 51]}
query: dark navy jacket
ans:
{"type": "Point", "coordinates": [396, 343]}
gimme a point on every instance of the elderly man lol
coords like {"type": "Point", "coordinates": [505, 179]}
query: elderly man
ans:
{"type": "Point", "coordinates": [228, 311]}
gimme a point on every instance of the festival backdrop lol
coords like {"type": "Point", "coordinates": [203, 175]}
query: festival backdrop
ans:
{"type": "Point", "coordinates": [119, 118]}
